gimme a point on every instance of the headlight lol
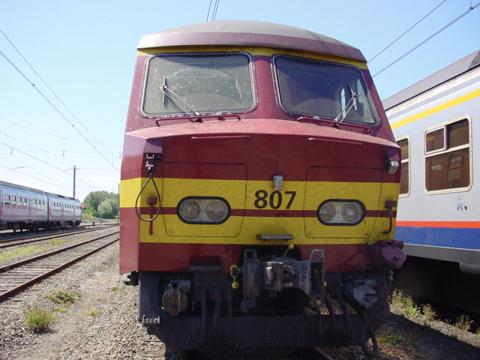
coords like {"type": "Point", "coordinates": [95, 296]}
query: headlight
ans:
{"type": "Point", "coordinates": [203, 210]}
{"type": "Point", "coordinates": [189, 209]}
{"type": "Point", "coordinates": [341, 212]}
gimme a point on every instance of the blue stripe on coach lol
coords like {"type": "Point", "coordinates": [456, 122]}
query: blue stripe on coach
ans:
{"type": "Point", "coordinates": [453, 238]}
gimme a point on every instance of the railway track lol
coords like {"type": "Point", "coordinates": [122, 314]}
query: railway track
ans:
{"type": "Point", "coordinates": [37, 238]}
{"type": "Point", "coordinates": [18, 276]}
{"type": "Point", "coordinates": [6, 236]}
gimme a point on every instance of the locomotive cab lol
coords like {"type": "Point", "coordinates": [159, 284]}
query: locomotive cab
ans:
{"type": "Point", "coordinates": [259, 187]}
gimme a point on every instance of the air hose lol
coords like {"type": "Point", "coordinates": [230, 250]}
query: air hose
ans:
{"type": "Point", "coordinates": [150, 166]}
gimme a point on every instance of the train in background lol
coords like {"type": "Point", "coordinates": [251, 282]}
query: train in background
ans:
{"type": "Point", "coordinates": [258, 190]}
{"type": "Point", "coordinates": [24, 208]}
{"type": "Point", "coordinates": [436, 122]}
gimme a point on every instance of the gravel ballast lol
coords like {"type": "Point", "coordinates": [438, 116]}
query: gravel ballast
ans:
{"type": "Point", "coordinates": [101, 323]}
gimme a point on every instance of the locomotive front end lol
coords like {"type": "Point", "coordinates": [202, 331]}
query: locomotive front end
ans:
{"type": "Point", "coordinates": [259, 189]}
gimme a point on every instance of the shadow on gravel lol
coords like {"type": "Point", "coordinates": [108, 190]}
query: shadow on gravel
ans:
{"type": "Point", "coordinates": [401, 338]}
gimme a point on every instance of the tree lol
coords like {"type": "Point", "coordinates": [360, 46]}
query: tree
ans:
{"type": "Point", "coordinates": [108, 209]}
{"type": "Point", "coordinates": [95, 199]}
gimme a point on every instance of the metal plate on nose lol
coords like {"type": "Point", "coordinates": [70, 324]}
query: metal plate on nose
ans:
{"type": "Point", "coordinates": [278, 182]}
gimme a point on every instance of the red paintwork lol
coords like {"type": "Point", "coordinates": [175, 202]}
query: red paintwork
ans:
{"type": "Point", "coordinates": [267, 141]}
{"type": "Point", "coordinates": [129, 240]}
{"type": "Point", "coordinates": [264, 150]}
{"type": "Point", "coordinates": [179, 257]}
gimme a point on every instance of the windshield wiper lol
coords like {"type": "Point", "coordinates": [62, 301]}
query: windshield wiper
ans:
{"type": "Point", "coordinates": [352, 103]}
{"type": "Point", "coordinates": [172, 95]}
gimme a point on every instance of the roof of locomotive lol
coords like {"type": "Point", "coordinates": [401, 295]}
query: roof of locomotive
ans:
{"type": "Point", "coordinates": [450, 72]}
{"type": "Point", "coordinates": [250, 33]}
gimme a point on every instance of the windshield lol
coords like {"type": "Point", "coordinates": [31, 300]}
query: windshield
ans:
{"type": "Point", "coordinates": [198, 84]}
{"type": "Point", "coordinates": [323, 89]}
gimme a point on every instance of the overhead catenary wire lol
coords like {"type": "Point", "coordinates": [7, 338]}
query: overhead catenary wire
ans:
{"type": "Point", "coordinates": [217, 3]}
{"type": "Point", "coordinates": [212, 15]}
{"type": "Point", "coordinates": [36, 158]}
{"type": "Point", "coordinates": [36, 130]}
{"type": "Point", "coordinates": [47, 99]}
{"type": "Point", "coordinates": [406, 31]}
{"type": "Point", "coordinates": [35, 72]}
{"type": "Point", "coordinates": [208, 12]}
{"type": "Point", "coordinates": [469, 10]}
{"type": "Point", "coordinates": [63, 152]}
{"type": "Point", "coordinates": [34, 177]}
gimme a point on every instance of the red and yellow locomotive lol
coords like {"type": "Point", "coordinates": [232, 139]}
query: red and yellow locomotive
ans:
{"type": "Point", "coordinates": [258, 193]}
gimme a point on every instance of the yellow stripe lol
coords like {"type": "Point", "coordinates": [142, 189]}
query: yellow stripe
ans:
{"type": "Point", "coordinates": [244, 230]}
{"type": "Point", "coordinates": [175, 189]}
{"type": "Point", "coordinates": [251, 227]}
{"type": "Point", "coordinates": [446, 105]}
{"type": "Point", "coordinates": [255, 51]}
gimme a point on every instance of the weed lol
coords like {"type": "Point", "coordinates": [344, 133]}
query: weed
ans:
{"type": "Point", "coordinates": [410, 310]}
{"type": "Point", "coordinates": [115, 288]}
{"type": "Point", "coordinates": [19, 252]}
{"type": "Point", "coordinates": [463, 322]}
{"type": "Point", "coordinates": [56, 242]}
{"type": "Point", "coordinates": [404, 304]}
{"type": "Point", "coordinates": [61, 297]}
{"type": "Point", "coordinates": [39, 320]}
{"type": "Point", "coordinates": [396, 299]}
{"type": "Point", "coordinates": [393, 339]}
{"type": "Point", "coordinates": [428, 312]}
{"type": "Point", "coordinates": [92, 312]}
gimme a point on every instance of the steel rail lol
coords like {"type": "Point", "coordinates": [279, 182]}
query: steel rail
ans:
{"type": "Point", "coordinates": [13, 291]}
{"type": "Point", "coordinates": [10, 243]}
{"type": "Point", "coordinates": [50, 253]}
{"type": "Point", "coordinates": [9, 236]}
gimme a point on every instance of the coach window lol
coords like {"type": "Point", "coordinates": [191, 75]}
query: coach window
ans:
{"type": "Point", "coordinates": [404, 171]}
{"type": "Point", "coordinates": [447, 157]}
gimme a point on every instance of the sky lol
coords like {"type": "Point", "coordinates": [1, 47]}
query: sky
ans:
{"type": "Point", "coordinates": [85, 52]}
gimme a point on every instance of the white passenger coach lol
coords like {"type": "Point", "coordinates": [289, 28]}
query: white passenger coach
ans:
{"type": "Point", "coordinates": [437, 124]}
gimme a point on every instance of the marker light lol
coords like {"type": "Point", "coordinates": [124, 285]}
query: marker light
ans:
{"type": "Point", "coordinates": [393, 166]}
{"type": "Point", "coordinates": [203, 210]}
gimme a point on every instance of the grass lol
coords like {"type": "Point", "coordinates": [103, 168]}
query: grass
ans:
{"type": "Point", "coordinates": [13, 253]}
{"type": "Point", "coordinates": [56, 242]}
{"type": "Point", "coordinates": [62, 297]}
{"type": "Point", "coordinates": [92, 312]}
{"type": "Point", "coordinates": [60, 309]}
{"type": "Point", "coordinates": [405, 305]}
{"type": "Point", "coordinates": [393, 339]}
{"type": "Point", "coordinates": [28, 250]}
{"type": "Point", "coordinates": [39, 320]}
{"type": "Point", "coordinates": [115, 288]}
{"type": "Point", "coordinates": [463, 322]}
{"type": "Point", "coordinates": [428, 312]}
